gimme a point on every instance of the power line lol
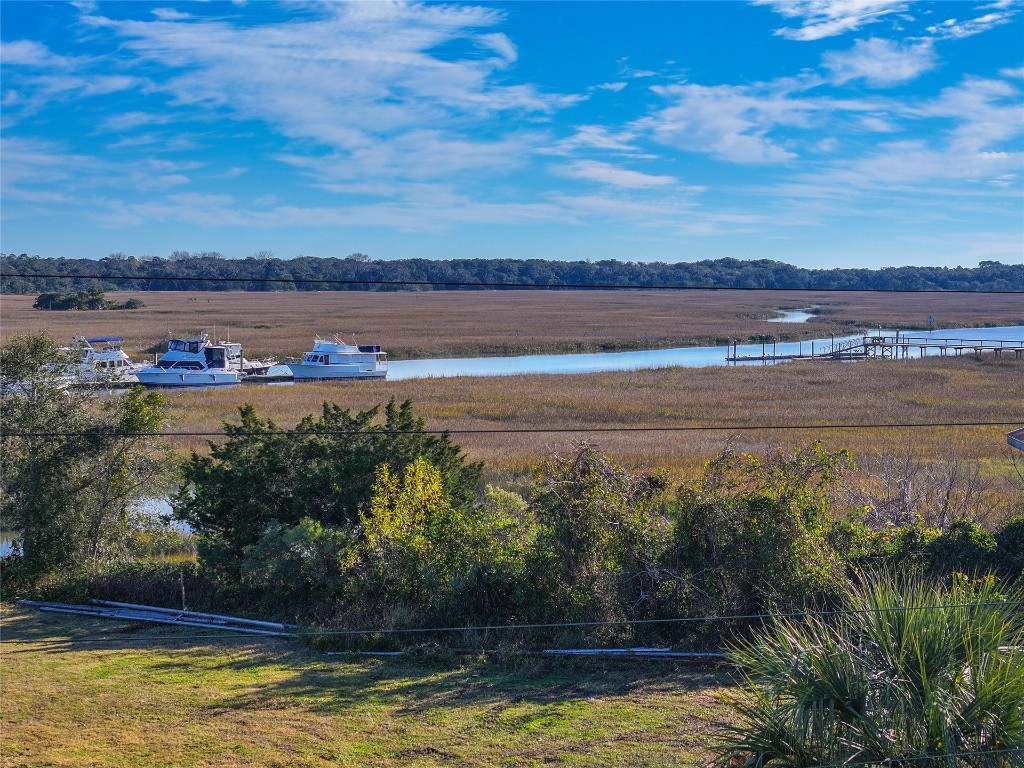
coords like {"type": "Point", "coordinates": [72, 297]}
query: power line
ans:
{"type": "Point", "coordinates": [526, 431]}
{"type": "Point", "coordinates": [485, 284]}
{"type": "Point", "coordinates": [752, 617]}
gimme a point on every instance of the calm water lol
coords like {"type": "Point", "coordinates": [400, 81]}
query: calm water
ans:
{"type": "Point", "coordinates": [688, 357]}
{"type": "Point", "coordinates": [155, 506]}
{"type": "Point", "coordinates": [793, 316]}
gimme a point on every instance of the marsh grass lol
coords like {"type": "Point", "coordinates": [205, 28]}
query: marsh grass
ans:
{"type": "Point", "coordinates": [474, 323]}
{"type": "Point", "coordinates": [142, 699]}
{"type": "Point", "coordinates": [881, 392]}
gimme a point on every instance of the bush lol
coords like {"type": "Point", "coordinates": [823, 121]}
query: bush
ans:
{"type": "Point", "coordinates": [452, 562]}
{"type": "Point", "coordinates": [324, 470]}
{"type": "Point", "coordinates": [1009, 554]}
{"type": "Point", "coordinates": [601, 538]}
{"type": "Point", "coordinates": [753, 533]}
{"type": "Point", "coordinates": [915, 673]}
{"type": "Point", "coordinates": [303, 571]}
{"type": "Point", "coordinates": [964, 547]}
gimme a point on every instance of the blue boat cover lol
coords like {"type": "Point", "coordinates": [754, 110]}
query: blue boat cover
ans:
{"type": "Point", "coordinates": [99, 339]}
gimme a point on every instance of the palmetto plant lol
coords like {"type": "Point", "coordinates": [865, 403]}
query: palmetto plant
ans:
{"type": "Point", "coordinates": [909, 673]}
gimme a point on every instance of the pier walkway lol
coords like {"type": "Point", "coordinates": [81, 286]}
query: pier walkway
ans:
{"type": "Point", "coordinates": [884, 347]}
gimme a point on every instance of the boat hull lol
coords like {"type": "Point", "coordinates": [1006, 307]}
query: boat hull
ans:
{"type": "Point", "coordinates": [304, 372]}
{"type": "Point", "coordinates": [162, 378]}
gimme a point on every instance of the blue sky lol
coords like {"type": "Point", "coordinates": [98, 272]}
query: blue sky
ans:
{"type": "Point", "coordinates": [822, 133]}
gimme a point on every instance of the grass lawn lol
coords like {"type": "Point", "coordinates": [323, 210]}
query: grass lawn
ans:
{"type": "Point", "coordinates": [140, 698]}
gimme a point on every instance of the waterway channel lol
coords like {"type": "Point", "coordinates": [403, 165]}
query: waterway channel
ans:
{"type": "Point", "coordinates": [687, 357]}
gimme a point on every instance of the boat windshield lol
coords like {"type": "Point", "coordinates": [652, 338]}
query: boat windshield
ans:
{"type": "Point", "coordinates": [179, 345]}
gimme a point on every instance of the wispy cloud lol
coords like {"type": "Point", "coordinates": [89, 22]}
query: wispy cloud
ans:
{"type": "Point", "coordinates": [730, 122]}
{"type": "Point", "coordinates": [951, 29]}
{"type": "Point", "coordinates": [361, 80]}
{"type": "Point", "coordinates": [29, 53]}
{"type": "Point", "coordinates": [615, 176]}
{"type": "Point", "coordinates": [827, 18]}
{"type": "Point", "coordinates": [979, 151]}
{"type": "Point", "coordinates": [597, 137]}
{"type": "Point", "coordinates": [880, 62]}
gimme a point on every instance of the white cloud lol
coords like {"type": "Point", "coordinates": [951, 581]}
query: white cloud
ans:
{"type": "Point", "coordinates": [33, 168]}
{"type": "Point", "coordinates": [614, 87]}
{"type": "Point", "coordinates": [880, 62]}
{"type": "Point", "coordinates": [973, 154]}
{"type": "Point", "coordinates": [29, 53]}
{"type": "Point", "coordinates": [731, 122]}
{"type": "Point", "coordinates": [597, 137]}
{"type": "Point", "coordinates": [987, 113]}
{"type": "Point", "coordinates": [128, 121]}
{"type": "Point", "coordinates": [500, 44]}
{"type": "Point", "coordinates": [876, 124]}
{"type": "Point", "coordinates": [614, 176]}
{"type": "Point", "coordinates": [359, 79]}
{"type": "Point", "coordinates": [827, 18]}
{"type": "Point", "coordinates": [951, 29]}
{"type": "Point", "coordinates": [170, 14]}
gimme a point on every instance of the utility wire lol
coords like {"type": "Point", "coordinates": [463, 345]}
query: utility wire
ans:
{"type": "Point", "coordinates": [483, 284]}
{"type": "Point", "coordinates": [580, 624]}
{"type": "Point", "coordinates": [525, 431]}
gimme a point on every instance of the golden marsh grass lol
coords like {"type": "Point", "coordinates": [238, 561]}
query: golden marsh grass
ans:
{"type": "Point", "coordinates": [932, 390]}
{"type": "Point", "coordinates": [469, 323]}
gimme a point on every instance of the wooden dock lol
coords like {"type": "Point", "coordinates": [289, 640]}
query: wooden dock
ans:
{"type": "Point", "coordinates": [1016, 439]}
{"type": "Point", "coordinates": [901, 346]}
{"type": "Point", "coordinates": [882, 347]}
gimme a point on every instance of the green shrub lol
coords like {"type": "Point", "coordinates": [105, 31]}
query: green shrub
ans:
{"type": "Point", "coordinates": [1009, 554]}
{"type": "Point", "coordinates": [324, 470]}
{"type": "Point", "coordinates": [913, 674]}
{"type": "Point", "coordinates": [455, 562]}
{"type": "Point", "coordinates": [303, 571]}
{"type": "Point", "coordinates": [602, 535]}
{"type": "Point", "coordinates": [752, 534]}
{"type": "Point", "coordinates": [964, 547]}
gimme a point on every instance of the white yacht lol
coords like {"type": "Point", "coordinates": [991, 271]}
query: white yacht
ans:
{"type": "Point", "coordinates": [92, 364]}
{"type": "Point", "coordinates": [338, 360]}
{"type": "Point", "coordinates": [264, 369]}
{"type": "Point", "coordinates": [193, 362]}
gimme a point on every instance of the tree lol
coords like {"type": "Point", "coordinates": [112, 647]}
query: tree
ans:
{"type": "Point", "coordinates": [73, 466]}
{"type": "Point", "coordinates": [323, 470]}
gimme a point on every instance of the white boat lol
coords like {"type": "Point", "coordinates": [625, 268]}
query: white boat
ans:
{"type": "Point", "coordinates": [338, 360]}
{"type": "Point", "coordinates": [264, 369]}
{"type": "Point", "coordinates": [92, 364]}
{"type": "Point", "coordinates": [193, 362]}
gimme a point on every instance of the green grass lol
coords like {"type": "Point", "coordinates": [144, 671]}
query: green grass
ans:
{"type": "Point", "coordinates": [142, 699]}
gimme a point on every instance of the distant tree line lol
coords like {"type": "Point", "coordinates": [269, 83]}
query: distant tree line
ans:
{"type": "Point", "coordinates": [178, 273]}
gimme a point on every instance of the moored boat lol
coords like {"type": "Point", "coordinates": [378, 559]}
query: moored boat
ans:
{"type": "Point", "coordinates": [338, 360]}
{"type": "Point", "coordinates": [102, 365]}
{"type": "Point", "coordinates": [195, 362]}
{"type": "Point", "coordinates": [265, 369]}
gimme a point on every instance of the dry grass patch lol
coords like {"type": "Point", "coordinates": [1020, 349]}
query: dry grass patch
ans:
{"type": "Point", "coordinates": [237, 702]}
{"type": "Point", "coordinates": [470, 323]}
{"type": "Point", "coordinates": [932, 390]}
